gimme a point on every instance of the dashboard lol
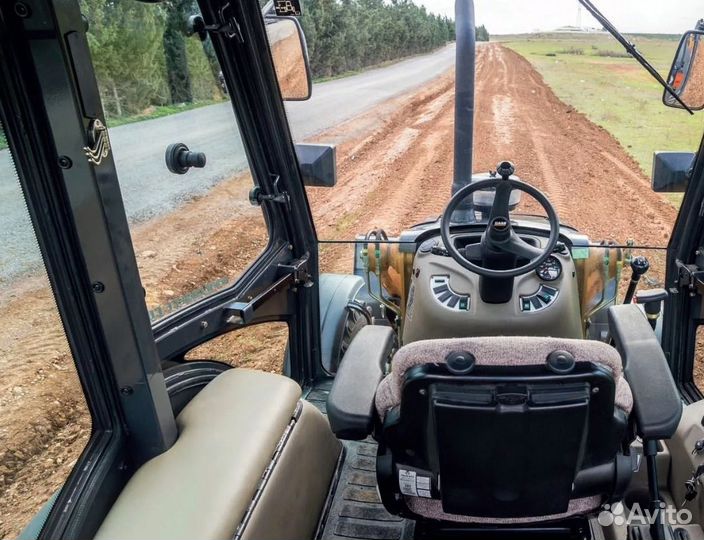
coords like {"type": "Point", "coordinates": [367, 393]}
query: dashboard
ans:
{"type": "Point", "coordinates": [445, 300]}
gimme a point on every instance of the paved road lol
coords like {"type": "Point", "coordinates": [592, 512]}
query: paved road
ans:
{"type": "Point", "coordinates": [149, 189]}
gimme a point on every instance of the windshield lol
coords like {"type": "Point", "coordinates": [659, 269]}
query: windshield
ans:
{"type": "Point", "coordinates": [578, 117]}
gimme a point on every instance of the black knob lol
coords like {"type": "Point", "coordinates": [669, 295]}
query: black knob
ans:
{"type": "Point", "coordinates": [560, 362]}
{"type": "Point", "coordinates": [639, 266]}
{"type": "Point", "coordinates": [505, 169]}
{"type": "Point", "coordinates": [179, 158]}
{"type": "Point", "coordinates": [460, 363]}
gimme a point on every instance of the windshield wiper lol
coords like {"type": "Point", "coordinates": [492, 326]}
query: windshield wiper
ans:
{"type": "Point", "coordinates": [631, 49]}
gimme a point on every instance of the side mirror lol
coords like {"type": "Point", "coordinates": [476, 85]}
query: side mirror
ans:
{"type": "Point", "coordinates": [318, 164]}
{"type": "Point", "coordinates": [290, 54]}
{"type": "Point", "coordinates": [671, 171]}
{"type": "Point", "coordinates": [687, 72]}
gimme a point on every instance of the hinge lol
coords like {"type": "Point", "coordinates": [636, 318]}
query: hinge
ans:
{"type": "Point", "coordinates": [257, 195]}
{"type": "Point", "coordinates": [690, 277]}
{"type": "Point", "coordinates": [291, 276]}
{"type": "Point", "coordinates": [227, 25]}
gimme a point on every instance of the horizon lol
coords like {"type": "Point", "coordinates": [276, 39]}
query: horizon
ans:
{"type": "Point", "coordinates": [544, 16]}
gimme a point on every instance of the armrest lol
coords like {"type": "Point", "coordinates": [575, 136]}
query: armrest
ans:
{"type": "Point", "coordinates": [351, 399]}
{"type": "Point", "coordinates": [658, 406]}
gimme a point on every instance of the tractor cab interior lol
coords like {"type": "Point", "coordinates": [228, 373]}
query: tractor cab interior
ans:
{"type": "Point", "coordinates": [484, 374]}
{"type": "Point", "coordinates": [498, 408]}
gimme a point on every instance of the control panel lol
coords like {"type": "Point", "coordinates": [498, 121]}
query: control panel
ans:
{"type": "Point", "coordinates": [539, 300]}
{"type": "Point", "coordinates": [442, 293]}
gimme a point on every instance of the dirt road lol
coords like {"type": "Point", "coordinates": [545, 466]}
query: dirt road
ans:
{"type": "Point", "coordinates": [395, 168]}
{"type": "Point", "coordinates": [402, 173]}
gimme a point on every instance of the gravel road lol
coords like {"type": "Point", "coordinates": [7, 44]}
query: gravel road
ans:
{"type": "Point", "coordinates": [149, 189]}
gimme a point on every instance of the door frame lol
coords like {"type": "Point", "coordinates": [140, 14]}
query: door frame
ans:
{"type": "Point", "coordinates": [683, 308]}
{"type": "Point", "coordinates": [49, 102]}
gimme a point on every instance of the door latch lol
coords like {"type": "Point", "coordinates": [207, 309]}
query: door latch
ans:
{"type": "Point", "coordinates": [257, 195]}
{"type": "Point", "coordinates": [690, 277]}
{"type": "Point", "coordinates": [228, 25]}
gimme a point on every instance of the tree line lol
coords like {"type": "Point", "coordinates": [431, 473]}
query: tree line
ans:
{"type": "Point", "coordinates": [144, 59]}
{"type": "Point", "coordinates": [348, 35]}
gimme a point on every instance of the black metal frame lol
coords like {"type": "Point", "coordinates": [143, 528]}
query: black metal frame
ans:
{"type": "Point", "coordinates": [49, 99]}
{"type": "Point", "coordinates": [251, 78]}
{"type": "Point", "coordinates": [683, 309]}
{"type": "Point", "coordinates": [23, 114]}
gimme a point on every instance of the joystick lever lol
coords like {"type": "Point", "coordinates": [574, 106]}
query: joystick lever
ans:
{"type": "Point", "coordinates": [639, 267]}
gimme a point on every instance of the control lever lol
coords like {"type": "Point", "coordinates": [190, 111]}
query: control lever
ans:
{"type": "Point", "coordinates": [651, 300]}
{"type": "Point", "coordinates": [639, 266]}
{"type": "Point", "coordinates": [691, 486]}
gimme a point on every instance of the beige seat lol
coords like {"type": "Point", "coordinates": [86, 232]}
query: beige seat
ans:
{"type": "Point", "coordinates": [251, 461]}
{"type": "Point", "coordinates": [441, 423]}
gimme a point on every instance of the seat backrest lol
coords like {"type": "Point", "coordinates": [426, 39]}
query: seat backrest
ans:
{"type": "Point", "coordinates": [502, 427]}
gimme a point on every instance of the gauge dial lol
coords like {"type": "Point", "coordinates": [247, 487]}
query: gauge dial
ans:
{"type": "Point", "coordinates": [549, 270]}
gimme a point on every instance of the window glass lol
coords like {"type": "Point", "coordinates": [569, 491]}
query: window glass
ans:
{"type": "Point", "coordinates": [698, 372]}
{"type": "Point", "coordinates": [261, 347]}
{"type": "Point", "coordinates": [44, 420]}
{"type": "Point", "coordinates": [194, 233]}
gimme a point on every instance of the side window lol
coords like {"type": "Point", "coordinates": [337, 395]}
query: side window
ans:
{"type": "Point", "coordinates": [194, 233]}
{"type": "Point", "coordinates": [44, 419]}
{"type": "Point", "coordinates": [261, 347]}
{"type": "Point", "coordinates": [698, 374]}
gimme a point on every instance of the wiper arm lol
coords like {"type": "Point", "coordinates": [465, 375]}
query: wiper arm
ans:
{"type": "Point", "coordinates": [631, 49]}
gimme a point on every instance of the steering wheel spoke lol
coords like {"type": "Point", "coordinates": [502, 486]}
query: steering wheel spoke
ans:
{"type": "Point", "coordinates": [521, 248]}
{"type": "Point", "coordinates": [502, 198]}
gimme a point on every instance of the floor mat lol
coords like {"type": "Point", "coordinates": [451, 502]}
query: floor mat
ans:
{"type": "Point", "coordinates": [355, 510]}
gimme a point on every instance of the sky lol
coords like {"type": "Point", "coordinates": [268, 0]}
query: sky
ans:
{"type": "Point", "coordinates": [520, 16]}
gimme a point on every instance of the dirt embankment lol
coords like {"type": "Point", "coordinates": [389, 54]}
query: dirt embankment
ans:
{"type": "Point", "coordinates": [395, 168]}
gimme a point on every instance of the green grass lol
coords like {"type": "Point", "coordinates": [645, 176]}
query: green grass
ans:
{"type": "Point", "coordinates": [614, 92]}
{"type": "Point", "coordinates": [3, 141]}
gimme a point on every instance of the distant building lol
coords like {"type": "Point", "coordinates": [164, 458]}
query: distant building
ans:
{"type": "Point", "coordinates": [578, 30]}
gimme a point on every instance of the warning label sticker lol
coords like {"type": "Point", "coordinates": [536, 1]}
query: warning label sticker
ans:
{"type": "Point", "coordinates": [407, 482]}
{"type": "Point", "coordinates": [413, 484]}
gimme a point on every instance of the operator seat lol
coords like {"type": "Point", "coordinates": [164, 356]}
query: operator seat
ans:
{"type": "Point", "coordinates": [488, 430]}
{"type": "Point", "coordinates": [506, 432]}
{"type": "Point", "coordinates": [503, 429]}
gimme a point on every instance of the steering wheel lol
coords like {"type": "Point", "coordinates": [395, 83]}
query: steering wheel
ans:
{"type": "Point", "coordinates": [499, 237]}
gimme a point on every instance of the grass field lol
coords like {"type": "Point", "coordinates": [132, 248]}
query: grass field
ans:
{"type": "Point", "coordinates": [590, 72]}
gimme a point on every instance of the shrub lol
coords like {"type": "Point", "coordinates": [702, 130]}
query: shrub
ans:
{"type": "Point", "coordinates": [612, 54]}
{"type": "Point", "coordinates": [572, 50]}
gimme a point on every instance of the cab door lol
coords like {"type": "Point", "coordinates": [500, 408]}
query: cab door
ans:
{"type": "Point", "coordinates": [147, 264]}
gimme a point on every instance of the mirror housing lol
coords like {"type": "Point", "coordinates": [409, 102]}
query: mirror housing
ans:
{"type": "Point", "coordinates": [290, 55]}
{"type": "Point", "coordinates": [687, 72]}
{"type": "Point", "coordinates": [672, 171]}
{"type": "Point", "coordinates": [318, 164]}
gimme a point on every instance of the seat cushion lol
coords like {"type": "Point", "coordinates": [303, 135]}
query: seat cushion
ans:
{"type": "Point", "coordinates": [499, 351]}
{"type": "Point", "coordinates": [202, 486]}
